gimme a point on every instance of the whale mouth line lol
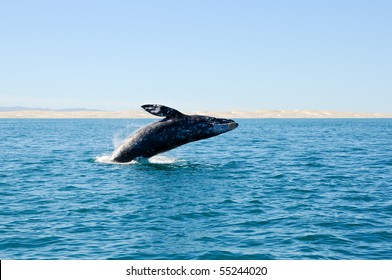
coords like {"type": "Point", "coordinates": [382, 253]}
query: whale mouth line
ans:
{"type": "Point", "coordinates": [224, 127]}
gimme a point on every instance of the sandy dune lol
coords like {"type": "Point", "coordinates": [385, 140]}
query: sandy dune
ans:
{"type": "Point", "coordinates": [229, 114]}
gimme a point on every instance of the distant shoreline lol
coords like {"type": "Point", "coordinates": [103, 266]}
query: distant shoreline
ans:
{"type": "Point", "coordinates": [260, 114]}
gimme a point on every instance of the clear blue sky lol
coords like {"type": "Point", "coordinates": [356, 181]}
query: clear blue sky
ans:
{"type": "Point", "coordinates": [197, 55]}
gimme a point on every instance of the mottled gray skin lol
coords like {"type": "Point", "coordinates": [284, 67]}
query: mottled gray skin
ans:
{"type": "Point", "coordinates": [174, 130]}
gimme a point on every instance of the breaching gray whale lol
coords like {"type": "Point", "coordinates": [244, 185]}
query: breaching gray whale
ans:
{"type": "Point", "coordinates": [174, 130]}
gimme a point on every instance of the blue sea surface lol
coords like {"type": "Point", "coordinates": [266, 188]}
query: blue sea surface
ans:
{"type": "Point", "coordinates": [271, 189]}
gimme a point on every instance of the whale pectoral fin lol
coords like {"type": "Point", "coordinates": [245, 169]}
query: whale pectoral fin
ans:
{"type": "Point", "coordinates": [162, 111]}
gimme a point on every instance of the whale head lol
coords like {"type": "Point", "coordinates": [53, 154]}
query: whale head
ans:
{"type": "Point", "coordinates": [206, 126]}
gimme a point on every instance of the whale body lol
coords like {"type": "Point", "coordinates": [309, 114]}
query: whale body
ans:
{"type": "Point", "coordinates": [174, 130]}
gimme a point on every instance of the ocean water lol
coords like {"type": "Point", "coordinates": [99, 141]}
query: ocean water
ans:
{"type": "Point", "coordinates": [271, 189]}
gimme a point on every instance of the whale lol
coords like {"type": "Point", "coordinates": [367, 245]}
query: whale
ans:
{"type": "Point", "coordinates": [174, 130]}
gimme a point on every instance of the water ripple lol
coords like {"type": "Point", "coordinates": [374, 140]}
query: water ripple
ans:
{"type": "Point", "coordinates": [272, 189]}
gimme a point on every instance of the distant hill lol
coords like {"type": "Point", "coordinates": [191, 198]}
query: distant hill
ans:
{"type": "Point", "coordinates": [21, 108]}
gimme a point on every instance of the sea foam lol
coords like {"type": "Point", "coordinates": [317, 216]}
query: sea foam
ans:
{"type": "Point", "coordinates": [159, 159]}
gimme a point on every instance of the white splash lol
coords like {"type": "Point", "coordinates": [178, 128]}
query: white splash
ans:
{"type": "Point", "coordinates": [121, 135]}
{"type": "Point", "coordinates": [106, 159]}
{"type": "Point", "coordinates": [159, 159]}
{"type": "Point", "coordinates": [117, 139]}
